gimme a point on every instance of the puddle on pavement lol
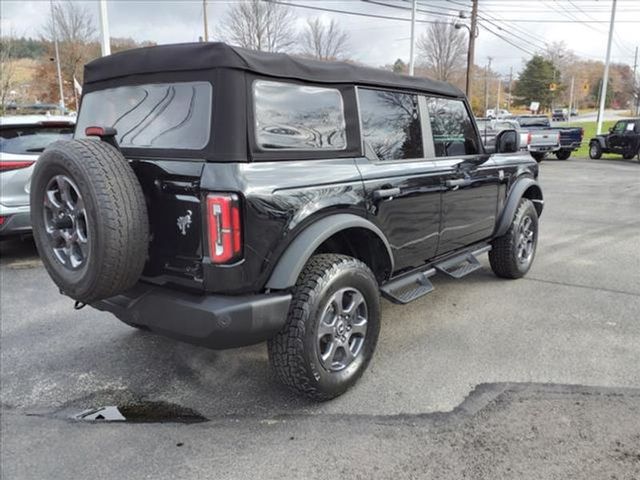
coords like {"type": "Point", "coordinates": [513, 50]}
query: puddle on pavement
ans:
{"type": "Point", "coordinates": [141, 412]}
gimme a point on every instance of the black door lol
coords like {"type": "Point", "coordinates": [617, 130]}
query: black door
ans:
{"type": "Point", "coordinates": [403, 186]}
{"type": "Point", "coordinates": [470, 179]}
{"type": "Point", "coordinates": [616, 137]}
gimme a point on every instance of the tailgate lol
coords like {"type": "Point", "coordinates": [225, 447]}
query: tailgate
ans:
{"type": "Point", "coordinates": [172, 192]}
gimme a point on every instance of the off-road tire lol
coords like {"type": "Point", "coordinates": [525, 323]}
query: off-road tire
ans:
{"type": "Point", "coordinates": [538, 157]}
{"type": "Point", "coordinates": [563, 154]}
{"type": "Point", "coordinates": [630, 155]}
{"type": "Point", "coordinates": [293, 353]}
{"type": "Point", "coordinates": [116, 215]}
{"type": "Point", "coordinates": [503, 255]}
{"type": "Point", "coordinates": [595, 151]}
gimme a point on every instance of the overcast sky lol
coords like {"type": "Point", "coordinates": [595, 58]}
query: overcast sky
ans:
{"type": "Point", "coordinates": [582, 24]}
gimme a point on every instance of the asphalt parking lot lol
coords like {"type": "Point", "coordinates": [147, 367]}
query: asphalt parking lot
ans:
{"type": "Point", "coordinates": [483, 378]}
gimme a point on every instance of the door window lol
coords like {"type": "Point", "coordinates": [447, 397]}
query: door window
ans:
{"type": "Point", "coordinates": [390, 124]}
{"type": "Point", "coordinates": [452, 128]}
{"type": "Point", "coordinates": [619, 127]}
{"type": "Point", "coordinates": [289, 116]}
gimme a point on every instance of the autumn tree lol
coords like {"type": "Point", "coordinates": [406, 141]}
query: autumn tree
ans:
{"type": "Point", "coordinates": [73, 25]}
{"type": "Point", "coordinates": [260, 25]}
{"type": "Point", "coordinates": [442, 50]}
{"type": "Point", "coordinates": [324, 41]}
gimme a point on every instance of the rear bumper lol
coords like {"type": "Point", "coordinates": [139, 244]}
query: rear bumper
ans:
{"type": "Point", "coordinates": [214, 321]}
{"type": "Point", "coordinates": [15, 221]}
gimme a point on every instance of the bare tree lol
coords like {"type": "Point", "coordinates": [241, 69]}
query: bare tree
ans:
{"type": "Point", "coordinates": [73, 24]}
{"type": "Point", "coordinates": [324, 42]}
{"type": "Point", "coordinates": [260, 25]}
{"type": "Point", "coordinates": [7, 71]}
{"type": "Point", "coordinates": [442, 50]}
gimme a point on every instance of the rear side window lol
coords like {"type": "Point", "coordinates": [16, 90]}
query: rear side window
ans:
{"type": "Point", "coordinates": [391, 124]}
{"type": "Point", "coordinates": [297, 117]}
{"type": "Point", "coordinates": [161, 115]}
{"type": "Point", "coordinates": [30, 140]}
{"type": "Point", "coordinates": [452, 128]}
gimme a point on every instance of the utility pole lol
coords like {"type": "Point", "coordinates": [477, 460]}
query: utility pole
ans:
{"type": "Point", "coordinates": [486, 86]}
{"type": "Point", "coordinates": [206, 26]}
{"type": "Point", "coordinates": [472, 46]}
{"type": "Point", "coordinates": [510, 82]}
{"type": "Point", "coordinates": [635, 83]}
{"type": "Point", "coordinates": [105, 43]}
{"type": "Point", "coordinates": [413, 36]}
{"type": "Point", "coordinates": [55, 43]}
{"type": "Point", "coordinates": [570, 99]}
{"type": "Point", "coordinates": [605, 80]}
{"type": "Point", "coordinates": [498, 97]}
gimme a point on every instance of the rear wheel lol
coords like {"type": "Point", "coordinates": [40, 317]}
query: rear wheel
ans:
{"type": "Point", "coordinates": [595, 151]}
{"type": "Point", "coordinates": [513, 253]}
{"type": "Point", "coordinates": [563, 154]}
{"type": "Point", "coordinates": [538, 156]}
{"type": "Point", "coordinates": [331, 330]}
{"type": "Point", "coordinates": [630, 155]}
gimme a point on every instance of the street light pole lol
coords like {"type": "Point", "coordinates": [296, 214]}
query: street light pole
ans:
{"type": "Point", "coordinates": [605, 80]}
{"type": "Point", "coordinates": [55, 43]}
{"type": "Point", "coordinates": [206, 26]}
{"type": "Point", "coordinates": [413, 36]}
{"type": "Point", "coordinates": [105, 43]}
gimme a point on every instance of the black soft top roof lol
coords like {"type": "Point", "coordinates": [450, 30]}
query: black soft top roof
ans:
{"type": "Point", "coordinates": [204, 56]}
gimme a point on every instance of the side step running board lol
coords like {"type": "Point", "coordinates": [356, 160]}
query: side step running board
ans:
{"type": "Point", "coordinates": [415, 285]}
{"type": "Point", "coordinates": [464, 264]}
{"type": "Point", "coordinates": [408, 288]}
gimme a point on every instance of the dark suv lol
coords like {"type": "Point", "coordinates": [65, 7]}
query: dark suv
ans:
{"type": "Point", "coordinates": [225, 197]}
{"type": "Point", "coordinates": [623, 138]}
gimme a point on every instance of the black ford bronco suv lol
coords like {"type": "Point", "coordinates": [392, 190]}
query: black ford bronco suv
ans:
{"type": "Point", "coordinates": [226, 197]}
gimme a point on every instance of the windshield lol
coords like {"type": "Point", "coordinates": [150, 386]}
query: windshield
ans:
{"type": "Point", "coordinates": [31, 139]}
{"type": "Point", "coordinates": [162, 115]}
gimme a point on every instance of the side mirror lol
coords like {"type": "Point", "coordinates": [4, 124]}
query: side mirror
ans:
{"type": "Point", "coordinates": [507, 141]}
{"type": "Point", "coordinates": [610, 129]}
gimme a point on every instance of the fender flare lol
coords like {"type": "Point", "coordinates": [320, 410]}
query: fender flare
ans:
{"type": "Point", "coordinates": [516, 193]}
{"type": "Point", "coordinates": [292, 261]}
{"type": "Point", "coordinates": [599, 140]}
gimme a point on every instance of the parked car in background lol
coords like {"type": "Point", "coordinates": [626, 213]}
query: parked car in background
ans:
{"type": "Point", "coordinates": [22, 140]}
{"type": "Point", "coordinates": [560, 114]}
{"type": "Point", "coordinates": [501, 113]}
{"type": "Point", "coordinates": [623, 138]}
{"type": "Point", "coordinates": [570, 138]}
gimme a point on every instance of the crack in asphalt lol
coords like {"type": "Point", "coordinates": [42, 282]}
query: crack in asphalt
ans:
{"type": "Point", "coordinates": [577, 285]}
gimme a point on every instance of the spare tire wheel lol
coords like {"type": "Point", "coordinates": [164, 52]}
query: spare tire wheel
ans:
{"type": "Point", "coordinates": [89, 219]}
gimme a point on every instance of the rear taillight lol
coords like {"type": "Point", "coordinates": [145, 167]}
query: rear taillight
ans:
{"type": "Point", "coordinates": [529, 137]}
{"type": "Point", "coordinates": [2, 219]}
{"type": "Point", "coordinates": [224, 226]}
{"type": "Point", "coordinates": [6, 165]}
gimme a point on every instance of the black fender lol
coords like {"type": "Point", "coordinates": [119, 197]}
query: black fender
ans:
{"type": "Point", "coordinates": [515, 194]}
{"type": "Point", "coordinates": [292, 261]}
{"type": "Point", "coordinates": [599, 140]}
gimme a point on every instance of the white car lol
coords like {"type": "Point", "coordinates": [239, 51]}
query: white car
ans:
{"type": "Point", "coordinates": [492, 114]}
{"type": "Point", "coordinates": [22, 139]}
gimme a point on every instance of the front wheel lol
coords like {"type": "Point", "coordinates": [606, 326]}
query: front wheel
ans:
{"type": "Point", "coordinates": [513, 253]}
{"type": "Point", "coordinates": [595, 151]}
{"type": "Point", "coordinates": [331, 330]}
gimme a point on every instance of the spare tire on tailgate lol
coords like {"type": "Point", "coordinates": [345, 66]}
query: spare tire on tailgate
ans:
{"type": "Point", "coordinates": [89, 219]}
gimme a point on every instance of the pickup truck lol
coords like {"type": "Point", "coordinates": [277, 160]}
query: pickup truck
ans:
{"type": "Point", "coordinates": [570, 138]}
{"type": "Point", "coordinates": [490, 128]}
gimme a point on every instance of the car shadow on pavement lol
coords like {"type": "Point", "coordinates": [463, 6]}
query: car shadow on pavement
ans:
{"type": "Point", "coordinates": [17, 249]}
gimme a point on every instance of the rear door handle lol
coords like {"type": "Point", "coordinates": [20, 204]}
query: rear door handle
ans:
{"type": "Point", "coordinates": [386, 193]}
{"type": "Point", "coordinates": [457, 182]}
